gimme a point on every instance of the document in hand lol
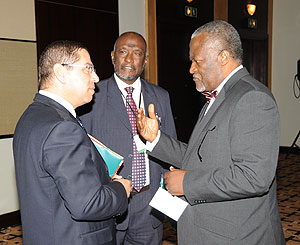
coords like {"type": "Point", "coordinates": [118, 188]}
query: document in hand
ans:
{"type": "Point", "coordinates": [112, 159]}
{"type": "Point", "coordinates": [171, 206]}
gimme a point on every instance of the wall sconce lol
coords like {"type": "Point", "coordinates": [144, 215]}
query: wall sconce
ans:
{"type": "Point", "coordinates": [251, 8]}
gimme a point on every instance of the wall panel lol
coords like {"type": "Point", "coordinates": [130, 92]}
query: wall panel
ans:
{"type": "Point", "coordinates": [18, 81]}
{"type": "Point", "coordinates": [17, 19]}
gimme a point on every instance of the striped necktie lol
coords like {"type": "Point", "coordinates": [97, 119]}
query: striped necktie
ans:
{"type": "Point", "coordinates": [209, 95]}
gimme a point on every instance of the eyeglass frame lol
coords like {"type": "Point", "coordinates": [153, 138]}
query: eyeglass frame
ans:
{"type": "Point", "coordinates": [89, 68]}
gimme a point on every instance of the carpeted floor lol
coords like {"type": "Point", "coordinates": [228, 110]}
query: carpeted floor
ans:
{"type": "Point", "coordinates": [288, 180]}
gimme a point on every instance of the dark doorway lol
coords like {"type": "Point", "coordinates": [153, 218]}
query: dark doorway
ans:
{"type": "Point", "coordinates": [174, 31]}
{"type": "Point", "coordinates": [255, 40]}
{"type": "Point", "coordinates": [256, 58]}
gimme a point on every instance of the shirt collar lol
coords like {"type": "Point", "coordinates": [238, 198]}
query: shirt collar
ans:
{"type": "Point", "coordinates": [221, 85]}
{"type": "Point", "coordinates": [59, 100]}
{"type": "Point", "coordinates": [122, 85]}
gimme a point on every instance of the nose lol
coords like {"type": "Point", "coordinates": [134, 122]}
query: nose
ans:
{"type": "Point", "coordinates": [128, 57]}
{"type": "Point", "coordinates": [193, 67]}
{"type": "Point", "coordinates": [95, 77]}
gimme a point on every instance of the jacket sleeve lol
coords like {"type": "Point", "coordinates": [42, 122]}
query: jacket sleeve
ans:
{"type": "Point", "coordinates": [81, 177]}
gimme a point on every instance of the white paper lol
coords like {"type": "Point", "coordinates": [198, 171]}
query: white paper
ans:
{"type": "Point", "coordinates": [171, 206]}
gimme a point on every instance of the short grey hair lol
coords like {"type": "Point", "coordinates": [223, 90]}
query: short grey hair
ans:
{"type": "Point", "coordinates": [224, 36]}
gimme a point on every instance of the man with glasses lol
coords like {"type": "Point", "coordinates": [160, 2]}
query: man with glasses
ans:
{"type": "Point", "coordinates": [65, 192]}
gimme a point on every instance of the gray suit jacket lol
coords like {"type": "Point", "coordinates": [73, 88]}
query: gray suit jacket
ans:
{"type": "Point", "coordinates": [108, 121]}
{"type": "Point", "coordinates": [231, 160]}
{"type": "Point", "coordinates": [65, 193]}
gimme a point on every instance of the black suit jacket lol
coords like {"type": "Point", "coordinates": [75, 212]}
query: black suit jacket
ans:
{"type": "Point", "coordinates": [108, 121]}
{"type": "Point", "coordinates": [65, 193]}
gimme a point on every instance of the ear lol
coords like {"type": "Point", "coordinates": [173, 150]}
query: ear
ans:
{"type": "Point", "coordinates": [146, 59]}
{"type": "Point", "coordinates": [224, 57]}
{"type": "Point", "coordinates": [59, 73]}
{"type": "Point", "coordinates": [112, 56]}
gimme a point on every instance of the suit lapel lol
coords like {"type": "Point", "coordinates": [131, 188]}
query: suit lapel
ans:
{"type": "Point", "coordinates": [148, 96]}
{"type": "Point", "coordinates": [116, 103]}
{"type": "Point", "coordinates": [197, 133]}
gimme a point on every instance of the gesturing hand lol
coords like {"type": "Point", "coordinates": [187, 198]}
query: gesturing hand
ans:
{"type": "Point", "coordinates": [147, 126]}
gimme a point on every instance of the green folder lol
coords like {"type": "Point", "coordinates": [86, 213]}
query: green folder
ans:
{"type": "Point", "coordinates": [112, 159]}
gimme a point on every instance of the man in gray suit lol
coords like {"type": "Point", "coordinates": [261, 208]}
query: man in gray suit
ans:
{"type": "Point", "coordinates": [65, 192]}
{"type": "Point", "coordinates": [110, 122]}
{"type": "Point", "coordinates": [227, 170]}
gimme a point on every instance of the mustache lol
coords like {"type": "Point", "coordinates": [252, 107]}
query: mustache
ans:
{"type": "Point", "coordinates": [125, 66]}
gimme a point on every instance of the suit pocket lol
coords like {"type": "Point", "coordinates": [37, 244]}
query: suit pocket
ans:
{"type": "Point", "coordinates": [216, 225]}
{"type": "Point", "coordinates": [97, 237]}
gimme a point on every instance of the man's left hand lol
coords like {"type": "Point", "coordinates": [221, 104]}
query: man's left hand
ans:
{"type": "Point", "coordinates": [174, 181]}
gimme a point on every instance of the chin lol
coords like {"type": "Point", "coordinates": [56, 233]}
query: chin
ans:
{"type": "Point", "coordinates": [201, 89]}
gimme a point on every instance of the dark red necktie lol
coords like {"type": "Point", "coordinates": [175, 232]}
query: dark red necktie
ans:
{"type": "Point", "coordinates": [209, 95]}
{"type": "Point", "coordinates": [138, 161]}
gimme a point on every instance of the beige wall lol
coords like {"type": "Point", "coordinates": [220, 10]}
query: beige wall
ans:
{"type": "Point", "coordinates": [17, 19]}
{"type": "Point", "coordinates": [17, 22]}
{"type": "Point", "coordinates": [132, 16]}
{"type": "Point", "coordinates": [8, 191]}
{"type": "Point", "coordinates": [285, 53]}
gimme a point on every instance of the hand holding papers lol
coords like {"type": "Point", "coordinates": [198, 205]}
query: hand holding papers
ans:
{"type": "Point", "coordinates": [171, 206]}
{"type": "Point", "coordinates": [112, 159]}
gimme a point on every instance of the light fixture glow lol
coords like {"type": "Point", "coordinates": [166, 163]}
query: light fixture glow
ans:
{"type": "Point", "coordinates": [251, 8]}
{"type": "Point", "coordinates": [188, 11]}
{"type": "Point", "coordinates": [189, 1]}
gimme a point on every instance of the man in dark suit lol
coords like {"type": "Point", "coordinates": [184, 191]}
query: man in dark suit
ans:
{"type": "Point", "coordinates": [65, 192]}
{"type": "Point", "coordinates": [109, 121]}
{"type": "Point", "coordinates": [227, 170]}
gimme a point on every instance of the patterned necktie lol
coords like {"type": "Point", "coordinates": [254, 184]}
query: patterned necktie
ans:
{"type": "Point", "coordinates": [138, 161]}
{"type": "Point", "coordinates": [209, 95]}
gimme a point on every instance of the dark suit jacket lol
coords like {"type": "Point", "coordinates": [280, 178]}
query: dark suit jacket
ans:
{"type": "Point", "coordinates": [108, 121]}
{"type": "Point", "coordinates": [231, 160]}
{"type": "Point", "coordinates": [65, 193]}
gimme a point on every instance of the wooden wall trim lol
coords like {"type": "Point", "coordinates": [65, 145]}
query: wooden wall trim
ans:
{"type": "Point", "coordinates": [270, 34]}
{"type": "Point", "coordinates": [221, 10]}
{"type": "Point", "coordinates": [150, 73]}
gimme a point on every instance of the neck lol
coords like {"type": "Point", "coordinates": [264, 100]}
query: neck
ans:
{"type": "Point", "coordinates": [230, 67]}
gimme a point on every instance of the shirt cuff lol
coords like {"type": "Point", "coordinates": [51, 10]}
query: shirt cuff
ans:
{"type": "Point", "coordinates": [151, 145]}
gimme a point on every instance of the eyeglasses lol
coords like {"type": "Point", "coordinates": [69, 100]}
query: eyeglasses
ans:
{"type": "Point", "coordinates": [90, 69]}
